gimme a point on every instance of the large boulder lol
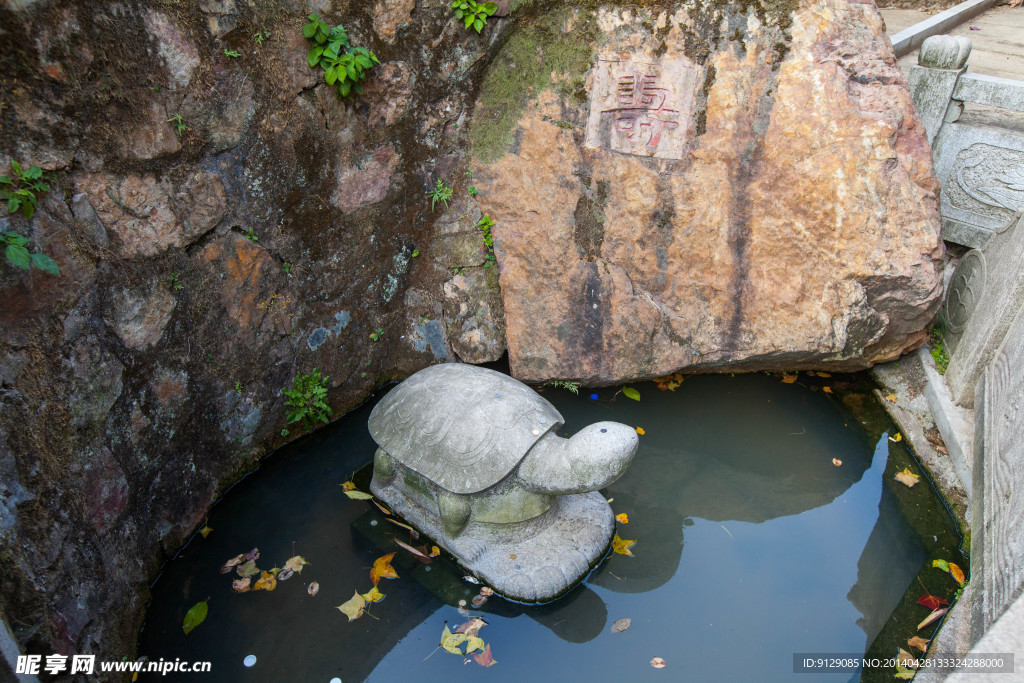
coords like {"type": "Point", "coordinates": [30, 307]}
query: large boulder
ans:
{"type": "Point", "coordinates": [725, 186]}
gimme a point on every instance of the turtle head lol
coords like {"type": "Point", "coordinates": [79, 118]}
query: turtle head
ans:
{"type": "Point", "coordinates": [592, 458]}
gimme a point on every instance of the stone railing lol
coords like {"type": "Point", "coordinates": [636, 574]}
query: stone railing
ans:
{"type": "Point", "coordinates": [976, 128]}
{"type": "Point", "coordinates": [978, 151]}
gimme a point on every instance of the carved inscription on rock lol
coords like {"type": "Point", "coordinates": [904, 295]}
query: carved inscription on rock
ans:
{"type": "Point", "coordinates": [643, 108]}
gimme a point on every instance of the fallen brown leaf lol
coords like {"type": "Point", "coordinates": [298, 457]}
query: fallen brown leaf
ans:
{"type": "Point", "coordinates": [621, 625]}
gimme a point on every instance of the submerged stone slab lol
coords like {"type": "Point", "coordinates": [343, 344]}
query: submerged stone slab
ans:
{"type": "Point", "coordinates": [470, 457]}
{"type": "Point", "coordinates": [709, 186]}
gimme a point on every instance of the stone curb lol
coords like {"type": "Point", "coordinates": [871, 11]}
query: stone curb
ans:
{"type": "Point", "coordinates": [909, 39]}
{"type": "Point", "coordinates": [955, 424]}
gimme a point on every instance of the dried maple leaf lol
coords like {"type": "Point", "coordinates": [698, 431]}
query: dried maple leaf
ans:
{"type": "Point", "coordinates": [621, 625]}
{"type": "Point", "coordinates": [353, 607]}
{"type": "Point", "coordinates": [485, 659]}
{"type": "Point", "coordinates": [622, 546]}
{"type": "Point", "coordinates": [931, 602]}
{"type": "Point", "coordinates": [918, 642]}
{"type": "Point", "coordinates": [382, 569]}
{"type": "Point", "coordinates": [907, 478]}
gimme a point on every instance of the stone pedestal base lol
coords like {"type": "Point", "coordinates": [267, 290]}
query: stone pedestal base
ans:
{"type": "Point", "coordinates": [551, 555]}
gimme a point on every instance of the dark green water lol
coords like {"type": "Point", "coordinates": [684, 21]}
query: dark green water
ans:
{"type": "Point", "coordinates": [751, 546]}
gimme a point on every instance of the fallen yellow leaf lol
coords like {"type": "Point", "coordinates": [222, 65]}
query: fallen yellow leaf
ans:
{"type": "Point", "coordinates": [373, 596]}
{"type": "Point", "coordinates": [451, 641]}
{"type": "Point", "coordinates": [266, 582]}
{"type": "Point", "coordinates": [622, 518]}
{"type": "Point", "coordinates": [474, 643]}
{"type": "Point", "coordinates": [640, 431]}
{"type": "Point", "coordinates": [827, 390]}
{"type": "Point", "coordinates": [823, 374]}
{"type": "Point", "coordinates": [622, 546]}
{"type": "Point", "coordinates": [352, 492]}
{"type": "Point", "coordinates": [907, 477]}
{"type": "Point", "coordinates": [956, 573]}
{"type": "Point", "coordinates": [891, 398]}
{"type": "Point", "coordinates": [788, 379]}
{"type": "Point", "coordinates": [434, 551]}
{"type": "Point", "coordinates": [382, 569]}
{"type": "Point", "coordinates": [205, 531]}
{"type": "Point", "coordinates": [353, 607]}
{"type": "Point", "coordinates": [897, 438]}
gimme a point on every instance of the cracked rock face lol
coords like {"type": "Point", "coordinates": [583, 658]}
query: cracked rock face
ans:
{"type": "Point", "coordinates": [758, 197]}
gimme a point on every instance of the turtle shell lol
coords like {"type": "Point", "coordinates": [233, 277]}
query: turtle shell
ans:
{"type": "Point", "coordinates": [463, 427]}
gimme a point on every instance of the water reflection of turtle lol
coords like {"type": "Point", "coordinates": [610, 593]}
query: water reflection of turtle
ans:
{"type": "Point", "coordinates": [471, 458]}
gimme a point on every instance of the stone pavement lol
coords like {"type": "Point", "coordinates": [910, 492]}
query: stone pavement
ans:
{"type": "Point", "coordinates": [998, 41]}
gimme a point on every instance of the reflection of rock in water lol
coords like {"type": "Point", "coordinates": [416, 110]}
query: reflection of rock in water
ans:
{"type": "Point", "coordinates": [768, 457]}
{"type": "Point", "coordinates": [890, 561]}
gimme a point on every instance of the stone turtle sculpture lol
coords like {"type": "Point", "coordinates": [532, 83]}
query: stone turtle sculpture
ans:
{"type": "Point", "coordinates": [470, 457]}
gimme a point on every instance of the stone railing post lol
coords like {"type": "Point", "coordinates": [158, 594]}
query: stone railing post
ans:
{"type": "Point", "coordinates": [941, 62]}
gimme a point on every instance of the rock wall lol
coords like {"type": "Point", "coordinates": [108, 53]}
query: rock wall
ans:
{"type": "Point", "coordinates": [710, 186]}
{"type": "Point", "coordinates": [201, 271]}
{"type": "Point", "coordinates": [283, 229]}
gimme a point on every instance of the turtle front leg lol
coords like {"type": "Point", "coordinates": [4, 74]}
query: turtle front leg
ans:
{"type": "Point", "coordinates": [383, 467]}
{"type": "Point", "coordinates": [454, 512]}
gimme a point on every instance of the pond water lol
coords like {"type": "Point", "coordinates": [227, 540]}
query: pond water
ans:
{"type": "Point", "coordinates": [751, 545]}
